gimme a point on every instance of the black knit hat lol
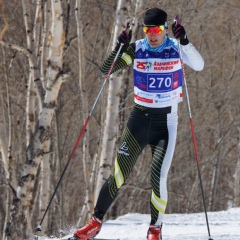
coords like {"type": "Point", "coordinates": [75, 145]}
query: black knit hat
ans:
{"type": "Point", "coordinates": [155, 17]}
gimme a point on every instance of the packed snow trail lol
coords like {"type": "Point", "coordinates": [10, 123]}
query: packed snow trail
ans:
{"type": "Point", "coordinates": [224, 225]}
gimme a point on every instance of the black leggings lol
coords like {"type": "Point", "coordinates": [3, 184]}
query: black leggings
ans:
{"type": "Point", "coordinates": [158, 128]}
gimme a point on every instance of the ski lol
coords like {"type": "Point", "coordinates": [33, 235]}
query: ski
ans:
{"type": "Point", "coordinates": [74, 238]}
{"type": "Point", "coordinates": [106, 239]}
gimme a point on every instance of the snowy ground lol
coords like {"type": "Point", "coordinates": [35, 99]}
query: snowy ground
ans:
{"type": "Point", "coordinates": [224, 225]}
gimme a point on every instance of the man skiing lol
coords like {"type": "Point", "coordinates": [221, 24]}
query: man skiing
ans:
{"type": "Point", "coordinates": [153, 120]}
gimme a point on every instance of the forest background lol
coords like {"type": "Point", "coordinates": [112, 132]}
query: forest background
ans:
{"type": "Point", "coordinates": [50, 54]}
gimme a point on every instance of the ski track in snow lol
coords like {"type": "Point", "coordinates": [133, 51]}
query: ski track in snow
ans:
{"type": "Point", "coordinates": [224, 225]}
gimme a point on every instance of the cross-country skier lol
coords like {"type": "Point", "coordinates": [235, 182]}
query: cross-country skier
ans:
{"type": "Point", "coordinates": [153, 120]}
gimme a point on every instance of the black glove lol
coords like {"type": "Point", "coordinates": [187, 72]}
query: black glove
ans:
{"type": "Point", "coordinates": [180, 33]}
{"type": "Point", "coordinates": [124, 38]}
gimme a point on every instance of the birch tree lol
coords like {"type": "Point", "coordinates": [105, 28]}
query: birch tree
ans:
{"type": "Point", "coordinates": [110, 130]}
{"type": "Point", "coordinates": [46, 88]}
{"type": "Point", "coordinates": [6, 148]}
{"type": "Point", "coordinates": [88, 206]}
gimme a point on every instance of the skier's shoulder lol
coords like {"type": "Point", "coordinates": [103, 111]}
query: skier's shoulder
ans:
{"type": "Point", "coordinates": [139, 44]}
{"type": "Point", "coordinates": [171, 43]}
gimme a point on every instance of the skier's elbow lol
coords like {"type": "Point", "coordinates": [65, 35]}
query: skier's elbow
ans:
{"type": "Point", "coordinates": [199, 67]}
{"type": "Point", "coordinates": [104, 71]}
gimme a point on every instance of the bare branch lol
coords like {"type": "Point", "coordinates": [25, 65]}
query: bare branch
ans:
{"type": "Point", "coordinates": [5, 22]}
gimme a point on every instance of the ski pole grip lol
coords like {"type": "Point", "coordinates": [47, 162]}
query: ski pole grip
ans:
{"type": "Point", "coordinates": [128, 27]}
{"type": "Point", "coordinates": [176, 20]}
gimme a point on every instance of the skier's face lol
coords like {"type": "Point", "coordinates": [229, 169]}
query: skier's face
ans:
{"type": "Point", "coordinates": [155, 40]}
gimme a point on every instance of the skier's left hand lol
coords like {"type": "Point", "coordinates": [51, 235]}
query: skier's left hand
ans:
{"type": "Point", "coordinates": [180, 33]}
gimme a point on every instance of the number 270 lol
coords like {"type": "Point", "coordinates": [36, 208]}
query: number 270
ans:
{"type": "Point", "coordinates": [163, 82]}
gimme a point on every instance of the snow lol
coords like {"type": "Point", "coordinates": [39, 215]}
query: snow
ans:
{"type": "Point", "coordinates": [223, 225]}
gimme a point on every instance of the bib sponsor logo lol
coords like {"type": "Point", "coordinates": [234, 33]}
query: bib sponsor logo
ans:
{"type": "Point", "coordinates": [144, 65]}
{"type": "Point", "coordinates": [160, 96]}
{"type": "Point", "coordinates": [157, 66]}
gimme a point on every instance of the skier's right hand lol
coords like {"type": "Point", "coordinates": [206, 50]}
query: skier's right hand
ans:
{"type": "Point", "coordinates": [124, 39]}
{"type": "Point", "coordinates": [125, 36]}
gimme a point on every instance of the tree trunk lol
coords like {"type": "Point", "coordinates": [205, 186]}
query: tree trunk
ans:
{"type": "Point", "coordinates": [110, 131]}
{"type": "Point", "coordinates": [110, 125]}
{"type": "Point", "coordinates": [6, 149]}
{"type": "Point", "coordinates": [236, 198]}
{"type": "Point", "coordinates": [84, 102]}
{"type": "Point", "coordinates": [39, 144]}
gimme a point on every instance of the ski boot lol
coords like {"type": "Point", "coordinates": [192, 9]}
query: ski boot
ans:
{"type": "Point", "coordinates": [89, 231]}
{"type": "Point", "coordinates": [154, 232]}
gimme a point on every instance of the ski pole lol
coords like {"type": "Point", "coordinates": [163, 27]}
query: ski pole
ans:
{"type": "Point", "coordinates": [177, 21]}
{"type": "Point", "coordinates": [80, 135]}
